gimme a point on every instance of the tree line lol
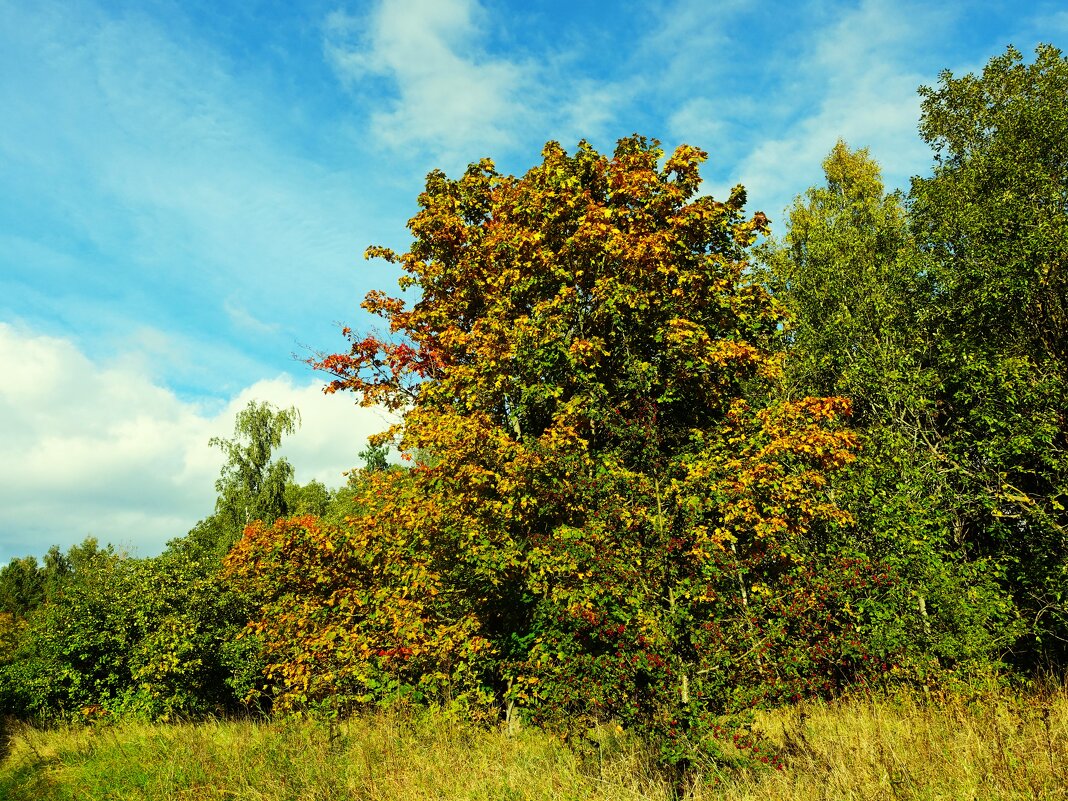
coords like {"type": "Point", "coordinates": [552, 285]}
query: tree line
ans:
{"type": "Point", "coordinates": [665, 467]}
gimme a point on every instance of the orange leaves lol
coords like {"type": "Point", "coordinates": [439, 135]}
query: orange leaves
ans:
{"type": "Point", "coordinates": [586, 377]}
{"type": "Point", "coordinates": [684, 163]}
{"type": "Point", "coordinates": [772, 480]}
{"type": "Point", "coordinates": [587, 352]}
{"type": "Point", "coordinates": [378, 302]}
{"type": "Point", "coordinates": [692, 342]}
{"type": "Point", "coordinates": [804, 428]}
{"type": "Point", "coordinates": [346, 610]}
{"type": "Point", "coordinates": [728, 351]}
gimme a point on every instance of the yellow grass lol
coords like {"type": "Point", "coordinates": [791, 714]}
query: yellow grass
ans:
{"type": "Point", "coordinates": [992, 745]}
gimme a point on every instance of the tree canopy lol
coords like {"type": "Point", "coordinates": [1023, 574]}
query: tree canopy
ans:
{"type": "Point", "coordinates": [622, 514]}
{"type": "Point", "coordinates": [993, 219]}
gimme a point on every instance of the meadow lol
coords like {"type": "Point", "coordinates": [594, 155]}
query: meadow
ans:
{"type": "Point", "coordinates": [996, 744]}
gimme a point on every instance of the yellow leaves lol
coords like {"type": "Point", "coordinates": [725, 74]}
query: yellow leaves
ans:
{"type": "Point", "coordinates": [684, 163]}
{"type": "Point", "coordinates": [586, 352]}
{"type": "Point", "coordinates": [682, 332]}
{"type": "Point", "coordinates": [719, 538]}
{"type": "Point", "coordinates": [768, 472]}
{"type": "Point", "coordinates": [726, 351]}
{"type": "Point", "coordinates": [379, 252]}
{"type": "Point", "coordinates": [580, 332]}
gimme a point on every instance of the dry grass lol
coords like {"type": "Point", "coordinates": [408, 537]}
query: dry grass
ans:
{"type": "Point", "coordinates": [991, 745]}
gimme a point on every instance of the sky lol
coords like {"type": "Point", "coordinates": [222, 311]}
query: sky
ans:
{"type": "Point", "coordinates": [187, 188]}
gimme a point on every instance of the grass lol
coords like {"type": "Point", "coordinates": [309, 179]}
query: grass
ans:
{"type": "Point", "coordinates": [381, 757]}
{"type": "Point", "coordinates": [999, 746]}
{"type": "Point", "coordinates": [993, 745]}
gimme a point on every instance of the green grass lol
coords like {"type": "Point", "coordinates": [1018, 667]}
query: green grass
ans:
{"type": "Point", "coordinates": [381, 757]}
{"type": "Point", "coordinates": [993, 745]}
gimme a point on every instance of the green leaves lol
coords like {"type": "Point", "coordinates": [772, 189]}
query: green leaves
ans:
{"type": "Point", "coordinates": [994, 216]}
{"type": "Point", "coordinates": [145, 637]}
{"type": "Point", "coordinates": [943, 320]}
{"type": "Point", "coordinates": [652, 482]}
{"type": "Point", "coordinates": [252, 487]}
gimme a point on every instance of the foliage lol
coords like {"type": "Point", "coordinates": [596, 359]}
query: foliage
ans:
{"type": "Point", "coordinates": [25, 585]}
{"type": "Point", "coordinates": [853, 282]}
{"type": "Point", "coordinates": [12, 630]}
{"type": "Point", "coordinates": [994, 219]}
{"type": "Point", "coordinates": [251, 486]}
{"type": "Point", "coordinates": [348, 613]}
{"type": "Point", "coordinates": [21, 587]}
{"type": "Point", "coordinates": [374, 457]}
{"type": "Point", "coordinates": [856, 286]}
{"type": "Point", "coordinates": [145, 637]}
{"type": "Point", "coordinates": [312, 498]}
{"type": "Point", "coordinates": [614, 496]}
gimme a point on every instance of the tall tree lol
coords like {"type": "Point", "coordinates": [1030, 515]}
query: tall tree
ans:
{"type": "Point", "coordinates": [252, 486]}
{"type": "Point", "coordinates": [994, 219]}
{"type": "Point", "coordinates": [852, 278]}
{"type": "Point", "coordinates": [857, 291]}
{"type": "Point", "coordinates": [617, 509]}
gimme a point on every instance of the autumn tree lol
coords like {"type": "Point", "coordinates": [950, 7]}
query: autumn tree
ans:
{"type": "Point", "coordinates": [617, 512]}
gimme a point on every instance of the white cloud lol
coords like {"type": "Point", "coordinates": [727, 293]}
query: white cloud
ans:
{"type": "Point", "coordinates": [242, 318]}
{"type": "Point", "coordinates": [698, 120]}
{"type": "Point", "coordinates": [854, 78]}
{"type": "Point", "coordinates": [172, 190]}
{"type": "Point", "coordinates": [93, 448]}
{"type": "Point", "coordinates": [333, 430]}
{"type": "Point", "coordinates": [450, 95]}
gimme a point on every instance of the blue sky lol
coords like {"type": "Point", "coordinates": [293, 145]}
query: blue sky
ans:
{"type": "Point", "coordinates": [187, 188]}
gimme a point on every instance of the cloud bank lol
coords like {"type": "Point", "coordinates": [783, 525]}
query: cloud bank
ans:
{"type": "Point", "coordinates": [101, 449]}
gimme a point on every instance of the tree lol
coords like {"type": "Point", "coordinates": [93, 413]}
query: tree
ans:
{"type": "Point", "coordinates": [31, 682]}
{"type": "Point", "coordinates": [853, 281]}
{"type": "Point", "coordinates": [312, 498]}
{"type": "Point", "coordinates": [251, 486]}
{"type": "Point", "coordinates": [25, 585]}
{"type": "Point", "coordinates": [615, 498]}
{"type": "Point", "coordinates": [858, 293]}
{"type": "Point", "coordinates": [994, 219]}
{"type": "Point", "coordinates": [375, 457]}
{"type": "Point", "coordinates": [143, 637]}
{"type": "Point", "coordinates": [21, 587]}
